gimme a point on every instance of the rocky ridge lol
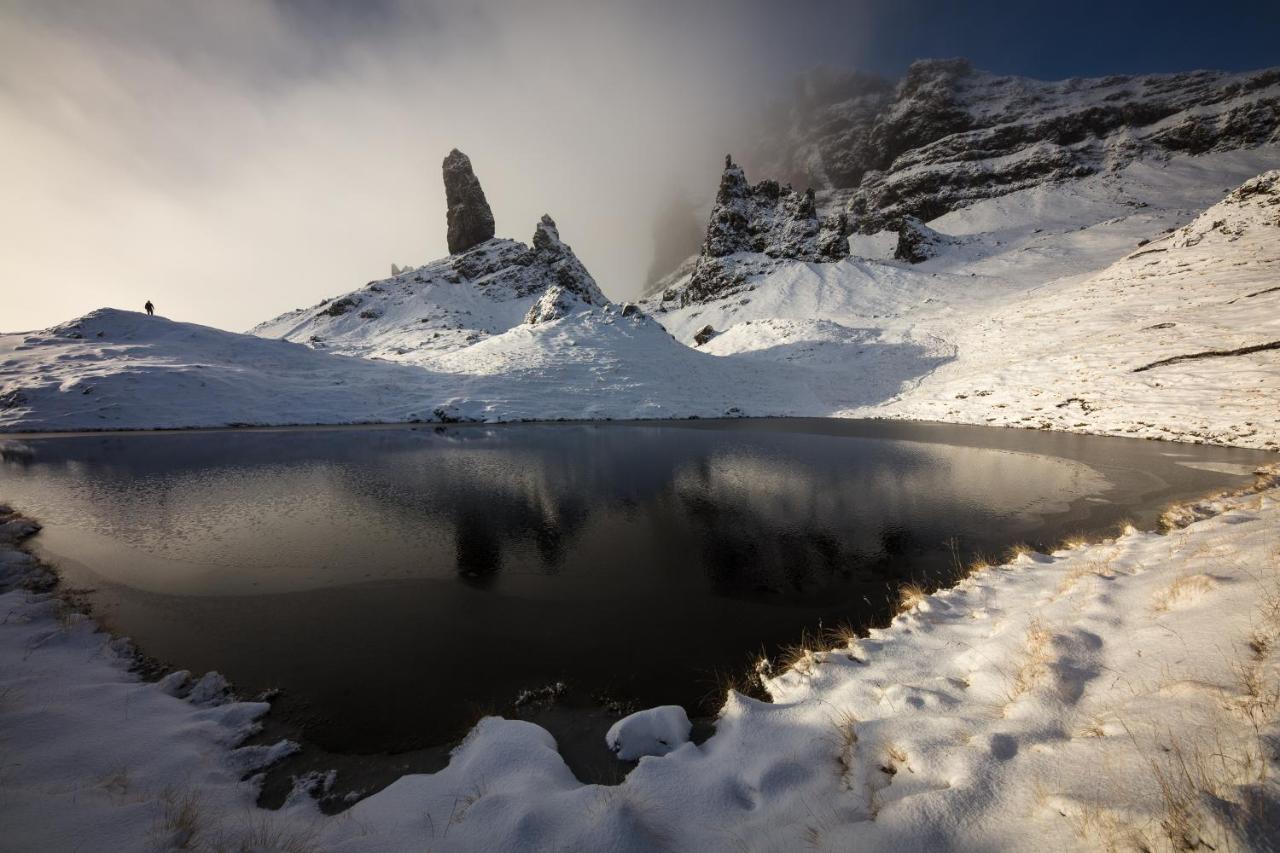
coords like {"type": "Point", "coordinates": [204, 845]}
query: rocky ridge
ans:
{"type": "Point", "coordinates": [753, 228]}
{"type": "Point", "coordinates": [478, 291]}
{"type": "Point", "coordinates": [946, 134]}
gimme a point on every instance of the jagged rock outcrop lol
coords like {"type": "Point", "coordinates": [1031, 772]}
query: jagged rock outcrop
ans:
{"type": "Point", "coordinates": [918, 242]}
{"type": "Point", "coordinates": [572, 286]}
{"type": "Point", "coordinates": [470, 221]}
{"type": "Point", "coordinates": [753, 227]}
{"type": "Point", "coordinates": [448, 304]}
{"type": "Point", "coordinates": [947, 135]}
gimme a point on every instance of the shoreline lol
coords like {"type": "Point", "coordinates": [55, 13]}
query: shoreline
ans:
{"type": "Point", "coordinates": [697, 421]}
{"type": "Point", "coordinates": [798, 676]}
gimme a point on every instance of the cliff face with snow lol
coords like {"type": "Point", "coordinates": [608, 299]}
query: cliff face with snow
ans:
{"type": "Point", "coordinates": [947, 135]}
{"type": "Point", "coordinates": [754, 228]}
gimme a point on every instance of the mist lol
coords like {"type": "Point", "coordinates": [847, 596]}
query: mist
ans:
{"type": "Point", "coordinates": [234, 160]}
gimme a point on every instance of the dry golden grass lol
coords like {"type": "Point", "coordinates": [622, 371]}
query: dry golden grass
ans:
{"type": "Point", "coordinates": [1183, 590]}
{"type": "Point", "coordinates": [845, 725]}
{"type": "Point", "coordinates": [1092, 568]}
{"type": "Point", "coordinates": [895, 759]}
{"type": "Point", "coordinates": [181, 821]}
{"type": "Point", "coordinates": [1017, 551]}
{"type": "Point", "coordinates": [910, 596]}
{"type": "Point", "coordinates": [803, 656]}
{"type": "Point", "coordinates": [1034, 666]}
{"type": "Point", "coordinates": [263, 833]}
{"type": "Point", "coordinates": [1104, 830]}
{"type": "Point", "coordinates": [1095, 726]}
{"type": "Point", "coordinates": [1071, 543]}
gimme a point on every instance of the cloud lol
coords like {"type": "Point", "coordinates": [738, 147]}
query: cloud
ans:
{"type": "Point", "coordinates": [233, 160]}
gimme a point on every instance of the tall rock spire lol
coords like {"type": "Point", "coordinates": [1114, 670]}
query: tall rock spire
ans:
{"type": "Point", "coordinates": [469, 217]}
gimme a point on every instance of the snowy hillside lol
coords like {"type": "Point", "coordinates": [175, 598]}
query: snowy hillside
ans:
{"type": "Point", "coordinates": [124, 370]}
{"type": "Point", "coordinates": [1000, 328]}
{"type": "Point", "coordinates": [1010, 254]}
{"type": "Point", "coordinates": [947, 135]}
{"type": "Point", "coordinates": [1181, 338]}
{"type": "Point", "coordinates": [448, 304]}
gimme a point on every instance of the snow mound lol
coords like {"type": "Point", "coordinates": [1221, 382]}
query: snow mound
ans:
{"type": "Point", "coordinates": [655, 731]}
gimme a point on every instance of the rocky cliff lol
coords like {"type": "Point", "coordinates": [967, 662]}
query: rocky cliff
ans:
{"type": "Point", "coordinates": [753, 227]}
{"type": "Point", "coordinates": [946, 134]}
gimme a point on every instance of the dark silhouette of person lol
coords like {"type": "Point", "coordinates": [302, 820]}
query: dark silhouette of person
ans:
{"type": "Point", "coordinates": [151, 309]}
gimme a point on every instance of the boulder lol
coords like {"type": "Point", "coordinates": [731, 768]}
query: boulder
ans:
{"type": "Point", "coordinates": [655, 731]}
{"type": "Point", "coordinates": [918, 242]}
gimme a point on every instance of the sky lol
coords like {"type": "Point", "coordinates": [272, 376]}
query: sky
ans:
{"type": "Point", "coordinates": [234, 160]}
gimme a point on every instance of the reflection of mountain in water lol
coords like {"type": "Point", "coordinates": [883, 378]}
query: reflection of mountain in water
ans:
{"type": "Point", "coordinates": [745, 512]}
{"type": "Point", "coordinates": [771, 523]}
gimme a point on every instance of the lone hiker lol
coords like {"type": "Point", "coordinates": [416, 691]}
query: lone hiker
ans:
{"type": "Point", "coordinates": [151, 309]}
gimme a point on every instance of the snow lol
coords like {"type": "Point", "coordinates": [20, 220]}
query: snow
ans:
{"type": "Point", "coordinates": [1041, 321]}
{"type": "Point", "coordinates": [1036, 319]}
{"type": "Point", "coordinates": [1120, 693]}
{"type": "Point", "coordinates": [1106, 694]}
{"type": "Point", "coordinates": [1071, 355]}
{"type": "Point", "coordinates": [655, 731]}
{"type": "Point", "coordinates": [120, 369]}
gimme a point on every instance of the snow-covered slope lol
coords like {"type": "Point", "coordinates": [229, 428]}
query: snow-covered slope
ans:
{"type": "Point", "coordinates": [123, 370]}
{"type": "Point", "coordinates": [449, 303]}
{"type": "Point", "coordinates": [947, 135]}
{"type": "Point", "coordinates": [1015, 251]}
{"type": "Point", "coordinates": [1181, 338]}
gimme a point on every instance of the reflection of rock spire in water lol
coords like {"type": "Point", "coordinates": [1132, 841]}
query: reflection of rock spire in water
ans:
{"type": "Point", "coordinates": [477, 549]}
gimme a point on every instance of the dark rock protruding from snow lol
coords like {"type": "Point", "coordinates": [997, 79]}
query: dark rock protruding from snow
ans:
{"type": "Point", "coordinates": [704, 334]}
{"type": "Point", "coordinates": [469, 218]}
{"type": "Point", "coordinates": [767, 220]}
{"type": "Point", "coordinates": [571, 286]}
{"type": "Point", "coordinates": [947, 135]}
{"type": "Point", "coordinates": [918, 242]}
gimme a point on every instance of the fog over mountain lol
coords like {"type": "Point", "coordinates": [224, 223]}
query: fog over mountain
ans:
{"type": "Point", "coordinates": [234, 160]}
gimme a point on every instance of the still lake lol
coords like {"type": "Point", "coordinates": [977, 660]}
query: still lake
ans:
{"type": "Point", "coordinates": [393, 583]}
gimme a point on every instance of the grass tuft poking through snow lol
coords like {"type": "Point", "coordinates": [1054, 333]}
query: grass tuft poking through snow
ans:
{"type": "Point", "coordinates": [1033, 668]}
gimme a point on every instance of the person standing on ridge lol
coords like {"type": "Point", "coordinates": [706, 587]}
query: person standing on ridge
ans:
{"type": "Point", "coordinates": [151, 309]}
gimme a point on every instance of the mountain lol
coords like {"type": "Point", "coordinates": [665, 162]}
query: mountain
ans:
{"type": "Point", "coordinates": [871, 319]}
{"type": "Point", "coordinates": [947, 135]}
{"type": "Point", "coordinates": [1133, 300]}
{"type": "Point", "coordinates": [485, 287]}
